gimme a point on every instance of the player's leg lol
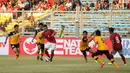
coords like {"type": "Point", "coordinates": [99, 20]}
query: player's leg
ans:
{"type": "Point", "coordinates": [111, 59]}
{"type": "Point", "coordinates": [46, 52]}
{"type": "Point", "coordinates": [112, 53]}
{"type": "Point", "coordinates": [90, 50]}
{"type": "Point", "coordinates": [84, 54]}
{"type": "Point", "coordinates": [53, 47]}
{"type": "Point", "coordinates": [122, 56]}
{"type": "Point", "coordinates": [47, 46]}
{"type": "Point", "coordinates": [95, 56]}
{"type": "Point", "coordinates": [18, 51]}
{"type": "Point", "coordinates": [52, 55]}
{"type": "Point", "coordinates": [42, 52]}
{"type": "Point", "coordinates": [38, 51]}
{"type": "Point", "coordinates": [15, 49]}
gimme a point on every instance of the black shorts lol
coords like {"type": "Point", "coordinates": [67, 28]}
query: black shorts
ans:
{"type": "Point", "coordinates": [41, 45]}
{"type": "Point", "coordinates": [84, 51]}
{"type": "Point", "coordinates": [101, 52]}
{"type": "Point", "coordinates": [87, 49]}
{"type": "Point", "coordinates": [14, 46]}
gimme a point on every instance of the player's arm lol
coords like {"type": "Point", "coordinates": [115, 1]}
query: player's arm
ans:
{"type": "Point", "coordinates": [96, 43]}
{"type": "Point", "coordinates": [112, 41]}
{"type": "Point", "coordinates": [91, 39]}
{"type": "Point", "coordinates": [6, 39]}
{"type": "Point", "coordinates": [92, 36]}
{"type": "Point", "coordinates": [8, 36]}
{"type": "Point", "coordinates": [20, 37]}
{"type": "Point", "coordinates": [54, 33]}
{"type": "Point", "coordinates": [34, 35]}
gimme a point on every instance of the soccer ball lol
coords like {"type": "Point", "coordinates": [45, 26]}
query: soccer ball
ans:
{"type": "Point", "coordinates": [47, 59]}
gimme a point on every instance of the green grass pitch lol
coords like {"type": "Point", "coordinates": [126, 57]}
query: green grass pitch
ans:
{"type": "Point", "coordinates": [29, 64]}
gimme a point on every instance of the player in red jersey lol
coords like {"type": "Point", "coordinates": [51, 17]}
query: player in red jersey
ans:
{"type": "Point", "coordinates": [51, 44]}
{"type": "Point", "coordinates": [116, 44]}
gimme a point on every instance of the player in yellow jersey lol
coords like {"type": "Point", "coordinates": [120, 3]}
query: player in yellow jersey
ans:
{"type": "Point", "coordinates": [40, 41]}
{"type": "Point", "coordinates": [102, 49]}
{"type": "Point", "coordinates": [14, 37]}
{"type": "Point", "coordinates": [84, 44]}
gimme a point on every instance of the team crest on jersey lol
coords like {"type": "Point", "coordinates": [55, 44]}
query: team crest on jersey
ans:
{"type": "Point", "coordinates": [29, 47]}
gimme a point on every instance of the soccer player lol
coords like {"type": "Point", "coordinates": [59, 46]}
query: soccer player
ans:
{"type": "Point", "coordinates": [51, 44]}
{"type": "Point", "coordinates": [62, 31]}
{"type": "Point", "coordinates": [14, 37]}
{"type": "Point", "coordinates": [116, 44]}
{"type": "Point", "coordinates": [84, 44]}
{"type": "Point", "coordinates": [40, 41]}
{"type": "Point", "coordinates": [102, 49]}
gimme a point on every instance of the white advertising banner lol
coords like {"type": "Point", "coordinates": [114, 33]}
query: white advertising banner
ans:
{"type": "Point", "coordinates": [126, 48]}
{"type": "Point", "coordinates": [4, 48]}
{"type": "Point", "coordinates": [64, 47]}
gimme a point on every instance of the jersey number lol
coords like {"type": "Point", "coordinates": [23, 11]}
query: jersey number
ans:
{"type": "Point", "coordinates": [117, 40]}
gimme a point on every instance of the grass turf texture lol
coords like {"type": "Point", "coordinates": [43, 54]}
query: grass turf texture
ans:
{"type": "Point", "coordinates": [29, 64]}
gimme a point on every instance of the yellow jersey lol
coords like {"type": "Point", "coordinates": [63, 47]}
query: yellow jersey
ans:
{"type": "Point", "coordinates": [14, 37]}
{"type": "Point", "coordinates": [101, 43]}
{"type": "Point", "coordinates": [39, 37]}
{"type": "Point", "coordinates": [83, 45]}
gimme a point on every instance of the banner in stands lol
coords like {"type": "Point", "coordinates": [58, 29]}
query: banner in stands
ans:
{"type": "Point", "coordinates": [66, 47]}
{"type": "Point", "coordinates": [4, 48]}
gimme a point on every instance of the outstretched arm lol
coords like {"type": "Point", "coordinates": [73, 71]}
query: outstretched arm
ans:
{"type": "Point", "coordinates": [34, 35]}
{"type": "Point", "coordinates": [6, 39]}
{"type": "Point", "coordinates": [92, 33]}
{"type": "Point", "coordinates": [92, 36]}
{"type": "Point", "coordinates": [11, 33]}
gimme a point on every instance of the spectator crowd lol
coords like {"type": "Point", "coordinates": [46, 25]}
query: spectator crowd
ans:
{"type": "Point", "coordinates": [62, 5]}
{"type": "Point", "coordinates": [65, 5]}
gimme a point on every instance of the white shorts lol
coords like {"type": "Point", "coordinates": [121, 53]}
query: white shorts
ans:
{"type": "Point", "coordinates": [50, 46]}
{"type": "Point", "coordinates": [113, 52]}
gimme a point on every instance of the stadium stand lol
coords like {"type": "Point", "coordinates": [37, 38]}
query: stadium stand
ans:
{"type": "Point", "coordinates": [91, 15]}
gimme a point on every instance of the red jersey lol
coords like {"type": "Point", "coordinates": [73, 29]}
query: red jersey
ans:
{"type": "Point", "coordinates": [48, 6]}
{"type": "Point", "coordinates": [41, 5]}
{"type": "Point", "coordinates": [62, 8]}
{"type": "Point", "coordinates": [117, 41]}
{"type": "Point", "coordinates": [48, 36]}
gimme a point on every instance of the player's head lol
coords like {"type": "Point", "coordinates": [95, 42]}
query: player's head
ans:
{"type": "Point", "coordinates": [62, 26]}
{"type": "Point", "coordinates": [98, 33]}
{"type": "Point", "coordinates": [111, 30]}
{"type": "Point", "coordinates": [85, 33]}
{"type": "Point", "coordinates": [40, 25]}
{"type": "Point", "coordinates": [16, 28]}
{"type": "Point", "coordinates": [45, 27]}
